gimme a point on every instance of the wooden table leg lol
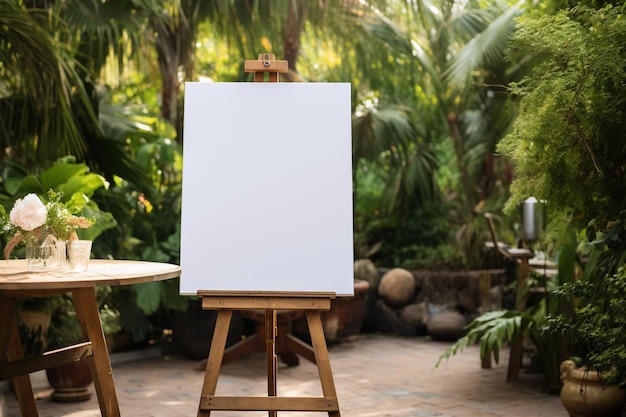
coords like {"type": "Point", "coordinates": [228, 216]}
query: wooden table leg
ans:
{"type": "Point", "coordinates": [515, 358]}
{"type": "Point", "coordinates": [100, 364]}
{"type": "Point", "coordinates": [484, 295]}
{"type": "Point", "coordinates": [11, 350]}
{"type": "Point", "coordinates": [214, 362]}
{"type": "Point", "coordinates": [517, 342]}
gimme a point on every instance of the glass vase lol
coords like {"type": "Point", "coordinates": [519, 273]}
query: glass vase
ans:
{"type": "Point", "coordinates": [44, 253]}
{"type": "Point", "coordinates": [78, 253]}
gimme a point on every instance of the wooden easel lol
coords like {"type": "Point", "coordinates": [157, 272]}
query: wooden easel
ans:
{"type": "Point", "coordinates": [269, 302]}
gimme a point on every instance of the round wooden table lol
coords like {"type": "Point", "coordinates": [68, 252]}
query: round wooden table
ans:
{"type": "Point", "coordinates": [16, 282]}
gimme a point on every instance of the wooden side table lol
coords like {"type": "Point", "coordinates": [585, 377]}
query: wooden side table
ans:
{"type": "Point", "coordinates": [16, 282]}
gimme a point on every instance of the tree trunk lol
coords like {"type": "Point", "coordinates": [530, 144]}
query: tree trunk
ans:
{"type": "Point", "coordinates": [455, 133]}
{"type": "Point", "coordinates": [293, 31]}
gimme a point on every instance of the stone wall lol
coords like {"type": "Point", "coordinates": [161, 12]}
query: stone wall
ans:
{"type": "Point", "coordinates": [430, 303]}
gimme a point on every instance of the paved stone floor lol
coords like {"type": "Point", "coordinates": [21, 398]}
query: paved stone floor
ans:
{"type": "Point", "coordinates": [374, 376]}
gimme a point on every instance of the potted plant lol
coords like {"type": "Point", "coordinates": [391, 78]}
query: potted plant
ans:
{"type": "Point", "coordinates": [70, 381]}
{"type": "Point", "coordinates": [494, 330]}
{"type": "Point", "coordinates": [594, 380]}
{"type": "Point", "coordinates": [34, 316]}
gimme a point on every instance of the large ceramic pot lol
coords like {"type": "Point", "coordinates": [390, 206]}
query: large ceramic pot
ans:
{"type": "Point", "coordinates": [70, 381]}
{"type": "Point", "coordinates": [585, 395]}
{"type": "Point", "coordinates": [344, 320]}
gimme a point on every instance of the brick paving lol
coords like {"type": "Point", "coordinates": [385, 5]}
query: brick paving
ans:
{"type": "Point", "coordinates": [374, 376]}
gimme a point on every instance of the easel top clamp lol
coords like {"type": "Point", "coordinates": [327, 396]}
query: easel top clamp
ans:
{"type": "Point", "coordinates": [266, 63]}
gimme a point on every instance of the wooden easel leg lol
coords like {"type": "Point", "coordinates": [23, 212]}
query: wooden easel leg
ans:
{"type": "Point", "coordinates": [242, 348]}
{"type": "Point", "coordinates": [11, 350]}
{"type": "Point", "coordinates": [272, 361]}
{"type": "Point", "coordinates": [214, 363]}
{"type": "Point", "coordinates": [89, 321]}
{"type": "Point", "coordinates": [321, 357]}
{"type": "Point", "coordinates": [298, 346]}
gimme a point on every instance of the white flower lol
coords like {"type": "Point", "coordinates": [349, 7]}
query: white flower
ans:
{"type": "Point", "coordinates": [29, 213]}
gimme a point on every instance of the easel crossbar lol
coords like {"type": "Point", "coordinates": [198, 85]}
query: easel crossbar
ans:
{"type": "Point", "coordinates": [264, 303]}
{"type": "Point", "coordinates": [224, 403]}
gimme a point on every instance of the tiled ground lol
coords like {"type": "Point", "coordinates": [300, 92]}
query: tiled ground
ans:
{"type": "Point", "coordinates": [374, 376]}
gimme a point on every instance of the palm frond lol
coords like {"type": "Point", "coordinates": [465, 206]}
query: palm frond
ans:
{"type": "Point", "coordinates": [484, 49]}
{"type": "Point", "coordinates": [493, 330]}
{"type": "Point", "coordinates": [378, 130]}
{"type": "Point", "coordinates": [40, 81]}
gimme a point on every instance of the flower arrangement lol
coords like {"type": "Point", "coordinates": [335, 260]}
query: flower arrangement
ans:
{"type": "Point", "coordinates": [31, 219]}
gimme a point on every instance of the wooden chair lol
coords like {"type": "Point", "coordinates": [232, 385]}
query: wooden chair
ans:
{"type": "Point", "coordinates": [525, 260]}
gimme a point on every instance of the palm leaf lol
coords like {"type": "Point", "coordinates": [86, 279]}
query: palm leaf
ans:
{"type": "Point", "coordinates": [485, 48]}
{"type": "Point", "coordinates": [493, 330]}
{"type": "Point", "coordinates": [36, 113]}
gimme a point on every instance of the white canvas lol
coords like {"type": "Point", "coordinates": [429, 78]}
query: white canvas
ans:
{"type": "Point", "coordinates": [267, 188]}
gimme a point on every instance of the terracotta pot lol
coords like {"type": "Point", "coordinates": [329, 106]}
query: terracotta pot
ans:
{"type": "Point", "coordinates": [345, 318]}
{"type": "Point", "coordinates": [70, 381]}
{"type": "Point", "coordinates": [585, 395]}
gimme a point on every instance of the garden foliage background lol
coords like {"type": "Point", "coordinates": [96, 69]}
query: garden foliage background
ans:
{"type": "Point", "coordinates": [101, 84]}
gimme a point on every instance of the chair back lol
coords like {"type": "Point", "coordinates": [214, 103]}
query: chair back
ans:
{"type": "Point", "coordinates": [492, 231]}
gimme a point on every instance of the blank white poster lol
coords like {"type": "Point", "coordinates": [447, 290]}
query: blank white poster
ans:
{"type": "Point", "coordinates": [267, 188]}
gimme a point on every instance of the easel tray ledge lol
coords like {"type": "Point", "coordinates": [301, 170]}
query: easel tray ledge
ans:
{"type": "Point", "coordinates": [268, 300]}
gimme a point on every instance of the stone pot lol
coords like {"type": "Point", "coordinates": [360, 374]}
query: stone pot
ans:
{"type": "Point", "coordinates": [585, 395]}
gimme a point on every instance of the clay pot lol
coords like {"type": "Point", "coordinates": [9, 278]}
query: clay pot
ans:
{"type": "Point", "coordinates": [70, 381]}
{"type": "Point", "coordinates": [585, 395]}
{"type": "Point", "coordinates": [344, 320]}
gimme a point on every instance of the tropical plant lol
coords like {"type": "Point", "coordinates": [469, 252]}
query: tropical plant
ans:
{"type": "Point", "coordinates": [569, 129]}
{"type": "Point", "coordinates": [495, 330]}
{"type": "Point", "coordinates": [64, 329]}
{"type": "Point", "coordinates": [568, 147]}
{"type": "Point", "coordinates": [406, 70]}
{"type": "Point", "coordinates": [597, 321]}
{"type": "Point", "coordinates": [411, 65]}
{"type": "Point", "coordinates": [73, 187]}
